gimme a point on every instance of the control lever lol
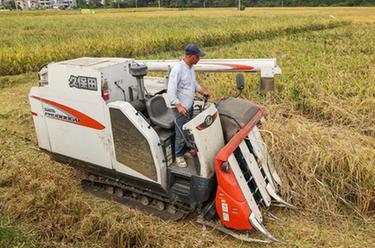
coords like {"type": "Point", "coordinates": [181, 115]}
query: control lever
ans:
{"type": "Point", "coordinates": [205, 100]}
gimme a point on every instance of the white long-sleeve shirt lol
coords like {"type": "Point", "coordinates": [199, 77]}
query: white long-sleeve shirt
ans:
{"type": "Point", "coordinates": [182, 85]}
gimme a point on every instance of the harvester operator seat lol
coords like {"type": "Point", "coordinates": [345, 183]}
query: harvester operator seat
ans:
{"type": "Point", "coordinates": [159, 113]}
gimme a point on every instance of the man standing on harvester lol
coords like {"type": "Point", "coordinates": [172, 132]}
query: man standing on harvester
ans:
{"type": "Point", "coordinates": [182, 87]}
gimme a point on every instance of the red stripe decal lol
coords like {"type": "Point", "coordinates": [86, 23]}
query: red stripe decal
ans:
{"type": "Point", "coordinates": [236, 67]}
{"type": "Point", "coordinates": [34, 114]}
{"type": "Point", "coordinates": [83, 120]}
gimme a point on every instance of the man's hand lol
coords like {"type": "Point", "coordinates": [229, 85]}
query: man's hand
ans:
{"type": "Point", "coordinates": [205, 94]}
{"type": "Point", "coordinates": [181, 109]}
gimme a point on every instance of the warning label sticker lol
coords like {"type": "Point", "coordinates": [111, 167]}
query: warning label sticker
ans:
{"type": "Point", "coordinates": [225, 209]}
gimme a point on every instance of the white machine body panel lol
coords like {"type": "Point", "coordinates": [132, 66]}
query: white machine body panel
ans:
{"type": "Point", "coordinates": [81, 72]}
{"type": "Point", "coordinates": [70, 115]}
{"type": "Point", "coordinates": [208, 137]}
{"type": "Point", "coordinates": [76, 128]}
{"type": "Point", "coordinates": [39, 120]}
{"type": "Point", "coordinates": [120, 83]}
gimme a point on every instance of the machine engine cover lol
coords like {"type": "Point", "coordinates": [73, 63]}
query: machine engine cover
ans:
{"type": "Point", "coordinates": [234, 114]}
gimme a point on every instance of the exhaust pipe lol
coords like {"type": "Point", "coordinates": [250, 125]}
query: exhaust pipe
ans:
{"type": "Point", "coordinates": [139, 70]}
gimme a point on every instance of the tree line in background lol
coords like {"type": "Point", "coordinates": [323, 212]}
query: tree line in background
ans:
{"type": "Point", "coordinates": [211, 3]}
{"type": "Point", "coordinates": [223, 3]}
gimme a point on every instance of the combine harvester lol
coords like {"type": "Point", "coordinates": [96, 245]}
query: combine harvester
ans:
{"type": "Point", "coordinates": [106, 117]}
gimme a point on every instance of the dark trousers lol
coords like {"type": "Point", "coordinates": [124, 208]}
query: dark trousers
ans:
{"type": "Point", "coordinates": [180, 120]}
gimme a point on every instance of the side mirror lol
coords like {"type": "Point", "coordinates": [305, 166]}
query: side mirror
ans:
{"type": "Point", "coordinates": [240, 80]}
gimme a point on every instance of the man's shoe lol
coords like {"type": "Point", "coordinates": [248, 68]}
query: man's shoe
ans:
{"type": "Point", "coordinates": [180, 162]}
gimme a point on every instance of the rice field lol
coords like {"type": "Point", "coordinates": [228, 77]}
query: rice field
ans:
{"type": "Point", "coordinates": [322, 120]}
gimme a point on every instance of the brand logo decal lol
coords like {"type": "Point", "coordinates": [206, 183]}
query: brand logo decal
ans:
{"type": "Point", "coordinates": [207, 122]}
{"type": "Point", "coordinates": [81, 82]}
{"type": "Point", "coordinates": [62, 112]}
{"type": "Point", "coordinates": [56, 113]}
{"type": "Point", "coordinates": [209, 119]}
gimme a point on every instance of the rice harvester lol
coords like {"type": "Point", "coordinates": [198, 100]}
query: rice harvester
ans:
{"type": "Point", "coordinates": [105, 116]}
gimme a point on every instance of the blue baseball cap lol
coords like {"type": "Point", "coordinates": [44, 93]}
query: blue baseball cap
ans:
{"type": "Point", "coordinates": [192, 49]}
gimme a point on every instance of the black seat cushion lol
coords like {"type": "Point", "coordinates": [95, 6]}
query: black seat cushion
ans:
{"type": "Point", "coordinates": [159, 113]}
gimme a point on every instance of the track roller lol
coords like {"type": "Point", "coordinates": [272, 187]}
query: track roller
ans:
{"type": "Point", "coordinates": [119, 192]}
{"type": "Point", "coordinates": [109, 189]}
{"type": "Point", "coordinates": [144, 200]}
{"type": "Point", "coordinates": [171, 209]}
{"type": "Point", "coordinates": [160, 205]}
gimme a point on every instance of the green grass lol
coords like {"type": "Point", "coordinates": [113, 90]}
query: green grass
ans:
{"type": "Point", "coordinates": [15, 237]}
